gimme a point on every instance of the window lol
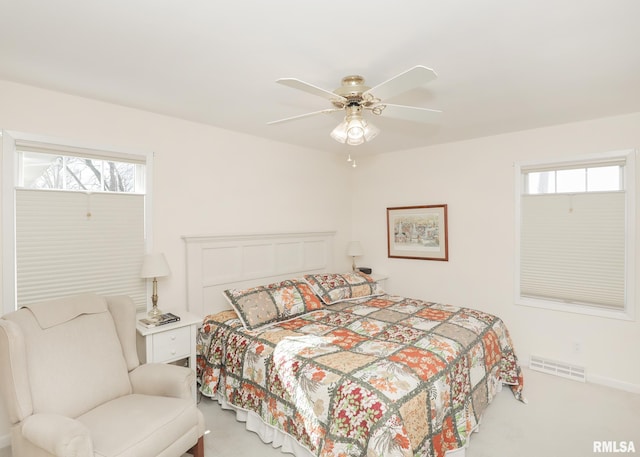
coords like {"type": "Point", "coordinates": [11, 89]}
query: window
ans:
{"type": "Point", "coordinates": [79, 221]}
{"type": "Point", "coordinates": [595, 178]}
{"type": "Point", "coordinates": [85, 174]}
{"type": "Point", "coordinates": [575, 235]}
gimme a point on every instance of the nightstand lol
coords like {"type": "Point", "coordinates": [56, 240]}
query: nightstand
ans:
{"type": "Point", "coordinates": [380, 279]}
{"type": "Point", "coordinates": [170, 342]}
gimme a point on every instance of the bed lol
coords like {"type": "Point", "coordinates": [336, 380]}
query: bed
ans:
{"type": "Point", "coordinates": [329, 364]}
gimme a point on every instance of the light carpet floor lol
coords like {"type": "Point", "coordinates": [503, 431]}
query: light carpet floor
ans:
{"type": "Point", "coordinates": [563, 418]}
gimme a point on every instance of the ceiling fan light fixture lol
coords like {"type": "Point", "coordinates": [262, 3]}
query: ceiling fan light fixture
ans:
{"type": "Point", "coordinates": [355, 141]}
{"type": "Point", "coordinates": [359, 131]}
{"type": "Point", "coordinates": [370, 132]}
{"type": "Point", "coordinates": [340, 132]}
{"type": "Point", "coordinates": [354, 130]}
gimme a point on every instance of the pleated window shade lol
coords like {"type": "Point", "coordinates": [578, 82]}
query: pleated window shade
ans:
{"type": "Point", "coordinates": [76, 242]}
{"type": "Point", "coordinates": [573, 248]}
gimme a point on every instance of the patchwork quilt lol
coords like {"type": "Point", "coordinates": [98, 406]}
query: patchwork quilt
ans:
{"type": "Point", "coordinates": [382, 376]}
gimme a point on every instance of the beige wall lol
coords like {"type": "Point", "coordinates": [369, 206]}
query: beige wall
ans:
{"type": "Point", "coordinates": [206, 180]}
{"type": "Point", "coordinates": [476, 180]}
{"type": "Point", "coordinates": [209, 180]}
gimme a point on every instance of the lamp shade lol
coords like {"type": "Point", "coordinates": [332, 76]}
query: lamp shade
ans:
{"type": "Point", "coordinates": [354, 249]}
{"type": "Point", "coordinates": [154, 266]}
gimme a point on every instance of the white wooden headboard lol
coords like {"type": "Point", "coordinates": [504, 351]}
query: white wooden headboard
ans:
{"type": "Point", "coordinates": [219, 262]}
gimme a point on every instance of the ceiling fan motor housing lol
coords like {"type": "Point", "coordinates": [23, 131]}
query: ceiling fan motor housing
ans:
{"type": "Point", "coordinates": [352, 89]}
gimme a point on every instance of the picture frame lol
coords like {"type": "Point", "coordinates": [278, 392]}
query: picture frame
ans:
{"type": "Point", "coordinates": [418, 232]}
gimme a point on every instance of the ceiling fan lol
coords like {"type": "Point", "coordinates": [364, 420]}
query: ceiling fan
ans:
{"type": "Point", "coordinates": [354, 97]}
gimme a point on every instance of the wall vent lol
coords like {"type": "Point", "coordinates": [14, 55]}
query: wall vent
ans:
{"type": "Point", "coordinates": [563, 369]}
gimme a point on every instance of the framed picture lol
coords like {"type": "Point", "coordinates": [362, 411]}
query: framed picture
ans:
{"type": "Point", "coordinates": [418, 232]}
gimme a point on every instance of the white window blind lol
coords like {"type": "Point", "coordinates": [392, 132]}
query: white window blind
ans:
{"type": "Point", "coordinates": [573, 248]}
{"type": "Point", "coordinates": [74, 242]}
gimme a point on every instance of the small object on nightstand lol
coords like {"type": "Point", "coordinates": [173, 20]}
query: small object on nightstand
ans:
{"type": "Point", "coordinates": [365, 270]}
{"type": "Point", "coordinates": [161, 319]}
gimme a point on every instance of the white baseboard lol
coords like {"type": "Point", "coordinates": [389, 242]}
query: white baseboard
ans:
{"type": "Point", "coordinates": [616, 384]}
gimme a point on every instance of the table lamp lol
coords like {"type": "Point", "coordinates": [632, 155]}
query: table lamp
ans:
{"type": "Point", "coordinates": [354, 249]}
{"type": "Point", "coordinates": [154, 266]}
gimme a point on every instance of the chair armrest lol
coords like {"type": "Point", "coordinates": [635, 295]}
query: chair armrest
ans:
{"type": "Point", "coordinates": [58, 435]}
{"type": "Point", "coordinates": [163, 379]}
{"type": "Point", "coordinates": [14, 374]}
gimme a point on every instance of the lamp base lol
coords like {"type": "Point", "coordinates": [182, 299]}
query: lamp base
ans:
{"type": "Point", "coordinates": [154, 312]}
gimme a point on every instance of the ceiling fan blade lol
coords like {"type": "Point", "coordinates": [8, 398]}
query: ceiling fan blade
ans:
{"type": "Point", "coordinates": [300, 116]}
{"type": "Point", "coordinates": [414, 77]}
{"type": "Point", "coordinates": [310, 88]}
{"type": "Point", "coordinates": [409, 113]}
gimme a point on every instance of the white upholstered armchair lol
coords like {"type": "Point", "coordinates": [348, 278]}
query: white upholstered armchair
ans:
{"type": "Point", "coordinates": [73, 386]}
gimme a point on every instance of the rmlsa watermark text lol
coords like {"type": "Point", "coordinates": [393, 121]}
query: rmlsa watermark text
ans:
{"type": "Point", "coordinates": [614, 446]}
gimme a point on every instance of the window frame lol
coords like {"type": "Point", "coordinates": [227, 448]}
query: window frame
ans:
{"type": "Point", "coordinates": [628, 184]}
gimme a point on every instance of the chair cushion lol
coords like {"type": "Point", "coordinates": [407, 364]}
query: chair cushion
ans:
{"type": "Point", "coordinates": [140, 425]}
{"type": "Point", "coordinates": [76, 364]}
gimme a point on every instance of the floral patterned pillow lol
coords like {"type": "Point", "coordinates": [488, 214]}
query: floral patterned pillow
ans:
{"type": "Point", "coordinates": [333, 288]}
{"type": "Point", "coordinates": [277, 302]}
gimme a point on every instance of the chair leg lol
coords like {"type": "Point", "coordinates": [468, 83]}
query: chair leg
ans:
{"type": "Point", "coordinates": [198, 449]}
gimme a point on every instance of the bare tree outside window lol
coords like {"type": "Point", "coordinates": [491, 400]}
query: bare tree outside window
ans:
{"type": "Point", "coordinates": [45, 171]}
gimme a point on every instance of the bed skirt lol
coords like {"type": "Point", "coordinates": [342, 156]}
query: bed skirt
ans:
{"type": "Point", "coordinates": [278, 439]}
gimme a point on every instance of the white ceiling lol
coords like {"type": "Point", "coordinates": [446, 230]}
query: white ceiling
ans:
{"type": "Point", "coordinates": [502, 65]}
